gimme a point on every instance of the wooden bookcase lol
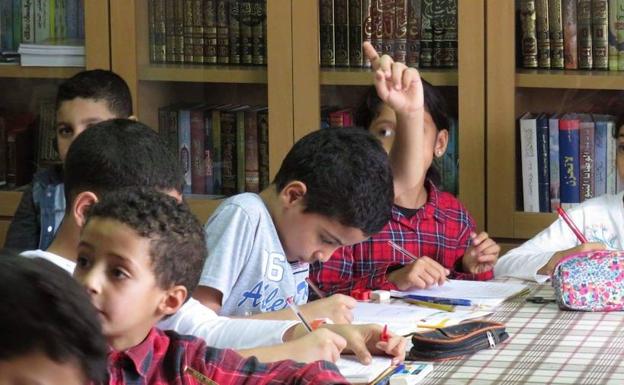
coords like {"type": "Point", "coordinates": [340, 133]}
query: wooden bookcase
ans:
{"type": "Point", "coordinates": [97, 52]}
{"type": "Point", "coordinates": [512, 91]}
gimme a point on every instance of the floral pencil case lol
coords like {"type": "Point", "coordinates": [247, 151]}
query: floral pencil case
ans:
{"type": "Point", "coordinates": [456, 341]}
{"type": "Point", "coordinates": [590, 281]}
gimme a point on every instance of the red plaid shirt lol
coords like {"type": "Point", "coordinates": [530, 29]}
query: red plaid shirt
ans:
{"type": "Point", "coordinates": [439, 230]}
{"type": "Point", "coordinates": [163, 357]}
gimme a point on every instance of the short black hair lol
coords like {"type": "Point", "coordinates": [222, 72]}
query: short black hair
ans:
{"type": "Point", "coordinates": [119, 153]}
{"type": "Point", "coordinates": [98, 85]}
{"type": "Point", "coordinates": [435, 105]}
{"type": "Point", "coordinates": [177, 245]}
{"type": "Point", "coordinates": [45, 310]}
{"type": "Point", "coordinates": [347, 175]}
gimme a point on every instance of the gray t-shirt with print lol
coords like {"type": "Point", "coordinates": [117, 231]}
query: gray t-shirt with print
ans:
{"type": "Point", "coordinates": [246, 261]}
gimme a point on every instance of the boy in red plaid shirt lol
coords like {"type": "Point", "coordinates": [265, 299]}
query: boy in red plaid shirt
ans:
{"type": "Point", "coordinates": [431, 224]}
{"type": "Point", "coordinates": [139, 258]}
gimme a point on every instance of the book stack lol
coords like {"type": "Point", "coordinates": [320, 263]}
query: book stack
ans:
{"type": "Point", "coordinates": [566, 159]}
{"type": "Point", "coordinates": [572, 34]}
{"type": "Point", "coordinates": [419, 33]}
{"type": "Point", "coordinates": [53, 53]}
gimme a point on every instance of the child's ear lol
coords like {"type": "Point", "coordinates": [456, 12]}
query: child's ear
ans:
{"type": "Point", "coordinates": [293, 192]}
{"type": "Point", "coordinates": [81, 204]}
{"type": "Point", "coordinates": [441, 143]}
{"type": "Point", "coordinates": [173, 300]}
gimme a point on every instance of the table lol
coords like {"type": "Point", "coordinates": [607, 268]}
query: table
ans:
{"type": "Point", "coordinates": [545, 346]}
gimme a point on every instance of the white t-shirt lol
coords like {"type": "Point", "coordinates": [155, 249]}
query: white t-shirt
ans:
{"type": "Point", "coordinates": [197, 320]}
{"type": "Point", "coordinates": [246, 261]}
{"type": "Point", "coordinates": [600, 219]}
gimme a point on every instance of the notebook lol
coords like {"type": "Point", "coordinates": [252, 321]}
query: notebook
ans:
{"type": "Point", "coordinates": [357, 373]}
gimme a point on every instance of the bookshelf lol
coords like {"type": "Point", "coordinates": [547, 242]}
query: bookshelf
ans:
{"type": "Point", "coordinates": [531, 90]}
{"type": "Point", "coordinates": [316, 86]}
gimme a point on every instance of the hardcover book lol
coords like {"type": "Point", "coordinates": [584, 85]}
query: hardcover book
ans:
{"type": "Point", "coordinates": [529, 36]}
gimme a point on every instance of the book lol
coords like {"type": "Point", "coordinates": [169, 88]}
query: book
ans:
{"type": "Point", "coordinates": [601, 136]}
{"type": "Point", "coordinates": [529, 154]}
{"type": "Point", "coordinates": [356, 373]}
{"type": "Point", "coordinates": [210, 31]}
{"type": "Point", "coordinates": [569, 160]}
{"type": "Point", "coordinates": [258, 32]}
{"type": "Point", "coordinates": [184, 146]}
{"type": "Point", "coordinates": [586, 157]}
{"type": "Point", "coordinates": [20, 145]}
{"type": "Point", "coordinates": [326, 16]}
{"type": "Point", "coordinates": [543, 33]}
{"type": "Point", "coordinates": [187, 29]}
{"type": "Point", "coordinates": [426, 34]}
{"type": "Point", "coordinates": [246, 36]}
{"type": "Point", "coordinates": [197, 31]}
{"type": "Point", "coordinates": [223, 32]}
{"type": "Point", "coordinates": [263, 148]}
{"type": "Point", "coordinates": [612, 38]}
{"type": "Point", "coordinates": [570, 56]}
{"type": "Point", "coordinates": [611, 158]}
{"type": "Point", "coordinates": [235, 32]}
{"type": "Point", "coordinates": [584, 34]}
{"type": "Point", "coordinates": [600, 33]}
{"type": "Point", "coordinates": [412, 56]}
{"type": "Point", "coordinates": [341, 33]}
{"type": "Point", "coordinates": [198, 166]}
{"type": "Point", "coordinates": [553, 145]}
{"type": "Point", "coordinates": [388, 26]}
{"type": "Point", "coordinates": [376, 14]}
{"type": "Point", "coordinates": [356, 12]}
{"type": "Point", "coordinates": [555, 26]}
{"type": "Point", "coordinates": [543, 167]}
{"type": "Point", "coordinates": [400, 30]}
{"type": "Point", "coordinates": [619, 30]}
{"type": "Point", "coordinates": [529, 37]}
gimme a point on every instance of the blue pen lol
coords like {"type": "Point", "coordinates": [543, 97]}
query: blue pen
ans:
{"type": "Point", "coordinates": [444, 301]}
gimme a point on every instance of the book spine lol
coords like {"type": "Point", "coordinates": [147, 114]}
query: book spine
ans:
{"type": "Point", "coordinates": [188, 31]}
{"type": "Point", "coordinates": [60, 27]}
{"type": "Point", "coordinates": [170, 36]}
{"type": "Point", "coordinates": [611, 159]}
{"type": "Point", "coordinates": [341, 33]}
{"type": "Point", "coordinates": [81, 21]}
{"type": "Point", "coordinates": [252, 166]}
{"type": "Point", "coordinates": [426, 34]}
{"type": "Point", "coordinates": [240, 151]}
{"type": "Point", "coordinates": [586, 161]}
{"type": "Point", "coordinates": [619, 29]}
{"type": "Point", "coordinates": [355, 33]}
{"type": "Point", "coordinates": [449, 42]}
{"type": "Point", "coordinates": [228, 152]}
{"type": "Point", "coordinates": [553, 145]}
{"type": "Point", "coordinates": [172, 132]}
{"type": "Point", "coordinates": [209, 186]}
{"type": "Point", "coordinates": [184, 148]}
{"type": "Point", "coordinates": [529, 36]}
{"type": "Point", "coordinates": [555, 25]}
{"type": "Point", "coordinates": [570, 53]}
{"type": "Point", "coordinates": [198, 168]}
{"type": "Point", "coordinates": [584, 34]}
{"type": "Point", "coordinates": [235, 32]}
{"type": "Point", "coordinates": [600, 33]}
{"type": "Point", "coordinates": [569, 161]}
{"type": "Point", "coordinates": [217, 156]}
{"type": "Point", "coordinates": [6, 29]}
{"type": "Point", "coordinates": [158, 45]}
{"type": "Point", "coordinates": [413, 33]}
{"type": "Point", "coordinates": [612, 38]}
{"type": "Point", "coordinates": [367, 27]}
{"type": "Point", "coordinates": [42, 20]}
{"type": "Point", "coordinates": [3, 151]}
{"type": "Point", "coordinates": [258, 32]}
{"type": "Point", "coordinates": [51, 18]}
{"type": "Point", "coordinates": [223, 33]}
{"type": "Point", "coordinates": [71, 18]}
{"type": "Point", "coordinates": [163, 128]}
{"type": "Point", "coordinates": [388, 26]}
{"type": "Point", "coordinates": [543, 167]}
{"type": "Point", "coordinates": [377, 25]}
{"type": "Point", "coordinates": [600, 159]}
{"type": "Point", "coordinates": [210, 32]}
{"type": "Point", "coordinates": [197, 32]}
{"type": "Point", "coordinates": [326, 12]}
{"type": "Point", "coordinates": [246, 37]}
{"type": "Point", "coordinates": [528, 150]}
{"type": "Point", "coordinates": [438, 32]}
{"type": "Point", "coordinates": [151, 27]}
{"type": "Point", "coordinates": [179, 17]}
{"type": "Point", "coordinates": [263, 148]}
{"type": "Point", "coordinates": [400, 31]}
{"type": "Point", "coordinates": [543, 33]}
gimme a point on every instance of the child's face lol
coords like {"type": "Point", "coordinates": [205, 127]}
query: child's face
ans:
{"type": "Point", "coordinates": [76, 115]}
{"type": "Point", "coordinates": [115, 267]}
{"type": "Point", "coordinates": [384, 128]}
{"type": "Point", "coordinates": [38, 368]}
{"type": "Point", "coordinates": [620, 152]}
{"type": "Point", "coordinates": [308, 237]}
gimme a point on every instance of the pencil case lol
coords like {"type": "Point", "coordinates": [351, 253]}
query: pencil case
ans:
{"type": "Point", "coordinates": [456, 341]}
{"type": "Point", "coordinates": [590, 281]}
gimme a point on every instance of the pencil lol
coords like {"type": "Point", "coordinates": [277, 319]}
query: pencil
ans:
{"type": "Point", "coordinates": [315, 288]}
{"type": "Point", "coordinates": [432, 305]}
{"type": "Point", "coordinates": [199, 377]}
{"type": "Point", "coordinates": [407, 253]}
{"type": "Point", "coordinates": [571, 225]}
{"type": "Point", "coordinates": [295, 309]}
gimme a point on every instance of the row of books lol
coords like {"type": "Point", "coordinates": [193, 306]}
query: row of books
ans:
{"type": "Point", "coordinates": [446, 165]}
{"type": "Point", "coordinates": [572, 34]}
{"type": "Point", "coordinates": [17, 139]}
{"type": "Point", "coordinates": [37, 21]}
{"type": "Point", "coordinates": [419, 33]}
{"type": "Point", "coordinates": [207, 31]}
{"type": "Point", "coordinates": [566, 159]}
{"type": "Point", "coordinates": [223, 149]}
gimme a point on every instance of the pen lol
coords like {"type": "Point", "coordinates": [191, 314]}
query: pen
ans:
{"type": "Point", "coordinates": [384, 378]}
{"type": "Point", "coordinates": [432, 305]}
{"type": "Point", "coordinates": [315, 288]}
{"type": "Point", "coordinates": [199, 377]}
{"type": "Point", "coordinates": [295, 309]}
{"type": "Point", "coordinates": [406, 253]}
{"type": "Point", "coordinates": [384, 334]}
{"type": "Point", "coordinates": [571, 225]}
{"type": "Point", "coordinates": [442, 301]}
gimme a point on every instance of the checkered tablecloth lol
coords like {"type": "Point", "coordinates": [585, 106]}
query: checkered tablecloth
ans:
{"type": "Point", "coordinates": [545, 346]}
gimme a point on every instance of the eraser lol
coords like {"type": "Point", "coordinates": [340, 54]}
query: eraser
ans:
{"type": "Point", "coordinates": [380, 296]}
{"type": "Point", "coordinates": [412, 373]}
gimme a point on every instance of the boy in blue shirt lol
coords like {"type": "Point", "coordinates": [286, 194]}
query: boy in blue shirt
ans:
{"type": "Point", "coordinates": [334, 188]}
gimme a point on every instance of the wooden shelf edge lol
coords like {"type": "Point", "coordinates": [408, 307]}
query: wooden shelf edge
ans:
{"type": "Point", "coordinates": [16, 71]}
{"type": "Point", "coordinates": [203, 74]}
{"type": "Point", "coordinates": [364, 77]}
{"type": "Point", "coordinates": [570, 79]}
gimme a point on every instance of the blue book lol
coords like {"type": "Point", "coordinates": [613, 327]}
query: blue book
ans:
{"type": "Point", "coordinates": [543, 166]}
{"type": "Point", "coordinates": [569, 160]}
{"type": "Point", "coordinates": [6, 26]}
{"type": "Point", "coordinates": [601, 135]}
{"type": "Point", "coordinates": [553, 144]}
{"type": "Point", "coordinates": [71, 18]}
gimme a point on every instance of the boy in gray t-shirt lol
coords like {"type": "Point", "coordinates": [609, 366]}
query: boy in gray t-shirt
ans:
{"type": "Point", "coordinates": [333, 189]}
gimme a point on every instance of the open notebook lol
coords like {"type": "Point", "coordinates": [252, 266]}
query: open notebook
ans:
{"type": "Point", "coordinates": [481, 294]}
{"type": "Point", "coordinates": [357, 373]}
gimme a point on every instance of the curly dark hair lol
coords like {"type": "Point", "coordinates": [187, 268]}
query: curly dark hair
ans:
{"type": "Point", "coordinates": [177, 245]}
{"type": "Point", "coordinates": [98, 85]}
{"type": "Point", "coordinates": [119, 153]}
{"type": "Point", "coordinates": [45, 310]}
{"type": "Point", "coordinates": [347, 175]}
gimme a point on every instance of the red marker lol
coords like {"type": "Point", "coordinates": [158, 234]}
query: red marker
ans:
{"type": "Point", "coordinates": [571, 225]}
{"type": "Point", "coordinates": [384, 334]}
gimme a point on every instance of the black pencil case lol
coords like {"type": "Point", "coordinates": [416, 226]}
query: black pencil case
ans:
{"type": "Point", "coordinates": [456, 341]}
